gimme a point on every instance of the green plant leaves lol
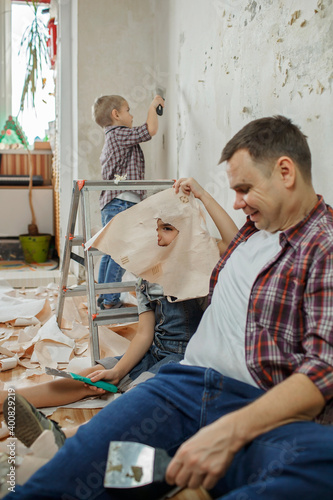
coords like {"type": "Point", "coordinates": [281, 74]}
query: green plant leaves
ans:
{"type": "Point", "coordinates": [34, 41]}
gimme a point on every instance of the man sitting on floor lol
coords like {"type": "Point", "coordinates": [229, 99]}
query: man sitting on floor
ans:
{"type": "Point", "coordinates": [243, 415]}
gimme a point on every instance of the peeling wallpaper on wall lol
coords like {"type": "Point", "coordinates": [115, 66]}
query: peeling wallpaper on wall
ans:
{"type": "Point", "coordinates": [297, 45]}
{"type": "Point", "coordinates": [234, 61]}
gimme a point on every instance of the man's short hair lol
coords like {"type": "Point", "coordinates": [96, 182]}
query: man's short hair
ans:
{"type": "Point", "coordinates": [103, 107]}
{"type": "Point", "coordinates": [266, 139]}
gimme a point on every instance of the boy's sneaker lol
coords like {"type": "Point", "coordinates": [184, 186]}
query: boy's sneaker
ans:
{"type": "Point", "coordinates": [105, 307]}
{"type": "Point", "coordinates": [30, 422]}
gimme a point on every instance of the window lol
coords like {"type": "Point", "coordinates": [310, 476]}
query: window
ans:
{"type": "Point", "coordinates": [34, 120]}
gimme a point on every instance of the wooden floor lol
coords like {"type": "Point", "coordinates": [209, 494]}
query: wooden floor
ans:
{"type": "Point", "coordinates": [68, 417]}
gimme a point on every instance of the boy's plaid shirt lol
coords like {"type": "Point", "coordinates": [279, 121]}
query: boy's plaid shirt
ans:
{"type": "Point", "coordinates": [122, 155]}
{"type": "Point", "coordinates": [289, 325]}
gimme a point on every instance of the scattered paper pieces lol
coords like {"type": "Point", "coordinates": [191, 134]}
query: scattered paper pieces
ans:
{"type": "Point", "coordinates": [32, 370]}
{"type": "Point", "coordinates": [28, 365]}
{"type": "Point", "coordinates": [51, 331]}
{"type": "Point", "coordinates": [26, 321]}
{"type": "Point", "coordinates": [66, 325]}
{"type": "Point", "coordinates": [85, 404]}
{"type": "Point", "coordinates": [5, 287]}
{"type": "Point", "coordinates": [80, 349]}
{"type": "Point", "coordinates": [32, 339]}
{"type": "Point", "coordinates": [8, 363]}
{"type": "Point", "coordinates": [28, 308]}
{"type": "Point", "coordinates": [3, 430]}
{"type": "Point", "coordinates": [44, 313]}
{"type": "Point", "coordinates": [29, 460]}
{"type": "Point", "coordinates": [78, 331]}
{"type": "Point", "coordinates": [6, 352]}
{"type": "Point", "coordinates": [77, 364]}
{"type": "Point", "coordinates": [52, 346]}
{"type": "Point", "coordinates": [110, 343]}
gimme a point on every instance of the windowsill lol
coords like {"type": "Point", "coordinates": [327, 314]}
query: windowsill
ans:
{"type": "Point", "coordinates": [22, 151]}
{"type": "Point", "coordinates": [45, 186]}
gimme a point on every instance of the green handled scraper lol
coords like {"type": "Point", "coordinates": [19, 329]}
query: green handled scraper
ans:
{"type": "Point", "coordinates": [100, 383]}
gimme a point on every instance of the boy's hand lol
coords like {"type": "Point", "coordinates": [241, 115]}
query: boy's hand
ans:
{"type": "Point", "coordinates": [189, 185]}
{"type": "Point", "coordinates": [157, 101]}
{"type": "Point", "coordinates": [111, 376]}
{"type": "Point", "coordinates": [152, 118]}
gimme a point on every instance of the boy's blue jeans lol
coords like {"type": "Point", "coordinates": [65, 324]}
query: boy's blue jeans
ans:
{"type": "Point", "coordinates": [109, 270]}
{"type": "Point", "coordinates": [292, 461]}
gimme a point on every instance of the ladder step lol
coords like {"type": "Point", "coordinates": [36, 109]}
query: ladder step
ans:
{"type": "Point", "coordinates": [126, 286]}
{"type": "Point", "coordinates": [95, 251]}
{"type": "Point", "coordinates": [77, 258]}
{"type": "Point", "coordinates": [113, 316]}
{"type": "Point", "coordinates": [76, 241]}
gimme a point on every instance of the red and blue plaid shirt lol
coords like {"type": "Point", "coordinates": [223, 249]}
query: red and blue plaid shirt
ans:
{"type": "Point", "coordinates": [289, 326]}
{"type": "Point", "coordinates": [123, 155]}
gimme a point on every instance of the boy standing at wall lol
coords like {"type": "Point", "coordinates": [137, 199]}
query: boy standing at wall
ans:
{"type": "Point", "coordinates": [121, 156]}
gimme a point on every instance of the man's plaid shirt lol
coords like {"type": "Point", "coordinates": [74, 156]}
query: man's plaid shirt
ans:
{"type": "Point", "coordinates": [123, 155]}
{"type": "Point", "coordinates": [289, 325]}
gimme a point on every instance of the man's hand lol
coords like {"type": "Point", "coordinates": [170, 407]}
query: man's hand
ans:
{"type": "Point", "coordinates": [203, 459]}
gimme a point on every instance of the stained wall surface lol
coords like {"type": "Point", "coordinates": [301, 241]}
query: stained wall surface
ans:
{"type": "Point", "coordinates": [223, 63]}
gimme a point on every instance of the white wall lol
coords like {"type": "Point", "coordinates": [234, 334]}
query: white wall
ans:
{"type": "Point", "coordinates": [223, 63]}
{"type": "Point", "coordinates": [115, 56]}
{"type": "Point", "coordinates": [237, 60]}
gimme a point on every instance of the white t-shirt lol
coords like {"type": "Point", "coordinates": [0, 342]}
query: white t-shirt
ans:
{"type": "Point", "coordinates": [219, 341]}
{"type": "Point", "coordinates": [129, 196]}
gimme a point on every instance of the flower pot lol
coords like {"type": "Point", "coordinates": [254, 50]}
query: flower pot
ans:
{"type": "Point", "coordinates": [35, 248]}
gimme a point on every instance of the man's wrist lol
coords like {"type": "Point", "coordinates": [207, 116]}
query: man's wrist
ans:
{"type": "Point", "coordinates": [239, 428]}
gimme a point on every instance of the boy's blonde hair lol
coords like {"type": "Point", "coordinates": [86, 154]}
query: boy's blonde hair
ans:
{"type": "Point", "coordinates": [103, 107]}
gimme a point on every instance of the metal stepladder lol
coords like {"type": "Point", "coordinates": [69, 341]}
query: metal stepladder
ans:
{"type": "Point", "coordinates": [80, 197]}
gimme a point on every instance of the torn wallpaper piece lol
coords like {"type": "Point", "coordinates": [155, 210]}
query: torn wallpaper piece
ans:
{"type": "Point", "coordinates": [8, 363]}
{"type": "Point", "coordinates": [29, 460]}
{"type": "Point", "coordinates": [16, 344]}
{"type": "Point", "coordinates": [5, 287]}
{"type": "Point", "coordinates": [51, 345]}
{"type": "Point", "coordinates": [26, 321]}
{"type": "Point", "coordinates": [28, 308]}
{"type": "Point", "coordinates": [110, 343]}
{"type": "Point", "coordinates": [184, 266]}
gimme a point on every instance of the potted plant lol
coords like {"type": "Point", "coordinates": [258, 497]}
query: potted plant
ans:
{"type": "Point", "coordinates": [34, 42]}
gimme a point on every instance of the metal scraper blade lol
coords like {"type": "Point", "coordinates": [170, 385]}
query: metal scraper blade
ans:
{"type": "Point", "coordinates": [129, 465]}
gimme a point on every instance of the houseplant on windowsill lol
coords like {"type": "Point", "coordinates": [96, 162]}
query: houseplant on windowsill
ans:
{"type": "Point", "coordinates": [34, 41]}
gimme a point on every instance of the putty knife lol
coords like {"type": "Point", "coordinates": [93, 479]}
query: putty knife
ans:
{"type": "Point", "coordinates": [160, 91]}
{"type": "Point", "coordinates": [100, 383]}
{"type": "Point", "coordinates": [132, 465]}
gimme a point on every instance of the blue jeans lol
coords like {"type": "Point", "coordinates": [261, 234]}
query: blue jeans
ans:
{"type": "Point", "coordinates": [292, 461]}
{"type": "Point", "coordinates": [109, 270]}
{"type": "Point", "coordinates": [175, 322]}
{"type": "Point", "coordinates": [152, 364]}
{"type": "Point", "coordinates": [149, 364]}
